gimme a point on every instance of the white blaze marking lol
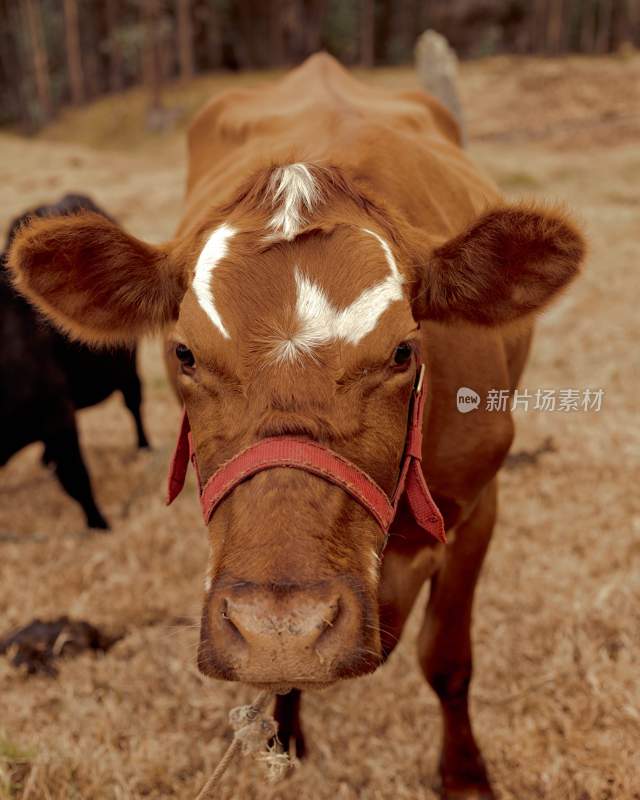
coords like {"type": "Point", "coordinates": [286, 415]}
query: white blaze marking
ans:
{"type": "Point", "coordinates": [320, 321]}
{"type": "Point", "coordinates": [214, 250]}
{"type": "Point", "coordinates": [294, 190]}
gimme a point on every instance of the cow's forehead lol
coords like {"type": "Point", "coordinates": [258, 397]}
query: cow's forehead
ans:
{"type": "Point", "coordinates": [301, 294]}
{"type": "Point", "coordinates": [295, 289]}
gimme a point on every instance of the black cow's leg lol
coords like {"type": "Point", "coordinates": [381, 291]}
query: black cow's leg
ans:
{"type": "Point", "coordinates": [132, 393]}
{"type": "Point", "coordinates": [63, 449]}
{"type": "Point", "coordinates": [287, 715]}
{"type": "Point", "coordinates": [445, 652]}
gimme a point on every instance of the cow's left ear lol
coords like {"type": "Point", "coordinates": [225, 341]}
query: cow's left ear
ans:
{"type": "Point", "coordinates": [508, 263]}
{"type": "Point", "coordinates": [94, 280]}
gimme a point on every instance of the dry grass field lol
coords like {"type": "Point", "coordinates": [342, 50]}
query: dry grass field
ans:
{"type": "Point", "coordinates": [556, 697]}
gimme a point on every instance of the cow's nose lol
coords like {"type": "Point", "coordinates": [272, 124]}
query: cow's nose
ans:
{"type": "Point", "coordinates": [296, 623]}
{"type": "Point", "coordinates": [285, 634]}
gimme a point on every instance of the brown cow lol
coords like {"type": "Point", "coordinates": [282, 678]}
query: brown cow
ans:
{"type": "Point", "coordinates": [335, 237]}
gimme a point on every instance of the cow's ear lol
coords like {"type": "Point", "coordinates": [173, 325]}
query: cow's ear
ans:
{"type": "Point", "coordinates": [508, 263]}
{"type": "Point", "coordinates": [94, 280]}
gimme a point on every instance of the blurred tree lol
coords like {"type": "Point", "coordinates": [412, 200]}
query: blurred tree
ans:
{"type": "Point", "coordinates": [367, 32]}
{"type": "Point", "coordinates": [603, 30]}
{"type": "Point", "coordinates": [556, 28]}
{"type": "Point", "coordinates": [250, 20]}
{"type": "Point", "coordinates": [114, 46]}
{"type": "Point", "coordinates": [403, 30]}
{"type": "Point", "coordinates": [185, 38]}
{"type": "Point", "coordinates": [31, 9]}
{"type": "Point", "coordinates": [14, 93]}
{"type": "Point", "coordinates": [341, 31]}
{"type": "Point", "coordinates": [74, 55]}
{"type": "Point", "coordinates": [56, 51]}
{"type": "Point", "coordinates": [306, 18]}
{"type": "Point", "coordinates": [588, 26]}
{"type": "Point", "coordinates": [208, 36]}
{"type": "Point", "coordinates": [152, 61]}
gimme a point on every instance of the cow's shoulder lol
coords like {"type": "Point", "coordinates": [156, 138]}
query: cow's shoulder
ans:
{"type": "Point", "coordinates": [464, 449]}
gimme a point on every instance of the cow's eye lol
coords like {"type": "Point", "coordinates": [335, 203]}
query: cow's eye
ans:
{"type": "Point", "coordinates": [402, 354]}
{"type": "Point", "coordinates": [185, 357]}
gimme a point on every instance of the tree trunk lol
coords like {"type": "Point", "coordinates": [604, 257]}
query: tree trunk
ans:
{"type": "Point", "coordinates": [556, 27]}
{"type": "Point", "coordinates": [315, 12]}
{"type": "Point", "coordinates": [74, 57]}
{"type": "Point", "coordinates": [214, 37]}
{"type": "Point", "coordinates": [250, 29]}
{"type": "Point", "coordinates": [12, 67]}
{"type": "Point", "coordinates": [116, 77]}
{"type": "Point", "coordinates": [622, 34]}
{"type": "Point", "coordinates": [540, 12]}
{"type": "Point", "coordinates": [40, 59]}
{"type": "Point", "coordinates": [633, 14]}
{"type": "Point", "coordinates": [588, 28]}
{"type": "Point", "coordinates": [185, 39]}
{"type": "Point", "coordinates": [367, 32]}
{"type": "Point", "coordinates": [603, 35]}
{"type": "Point", "coordinates": [151, 57]}
{"type": "Point", "coordinates": [276, 35]}
{"type": "Point", "coordinates": [403, 32]}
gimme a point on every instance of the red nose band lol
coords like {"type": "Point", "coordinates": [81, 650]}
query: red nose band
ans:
{"type": "Point", "coordinates": [297, 453]}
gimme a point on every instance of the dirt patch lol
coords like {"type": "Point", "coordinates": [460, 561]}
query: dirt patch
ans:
{"type": "Point", "coordinates": [557, 625]}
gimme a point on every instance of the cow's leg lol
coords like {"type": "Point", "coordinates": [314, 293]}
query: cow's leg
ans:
{"type": "Point", "coordinates": [63, 449]}
{"type": "Point", "coordinates": [287, 715]}
{"type": "Point", "coordinates": [132, 393]}
{"type": "Point", "coordinates": [445, 651]}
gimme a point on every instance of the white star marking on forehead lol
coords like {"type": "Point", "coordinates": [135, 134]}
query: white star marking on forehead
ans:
{"type": "Point", "coordinates": [215, 249]}
{"type": "Point", "coordinates": [321, 322]}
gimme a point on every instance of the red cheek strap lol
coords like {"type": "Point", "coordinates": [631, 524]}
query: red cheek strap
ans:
{"type": "Point", "coordinates": [298, 453]}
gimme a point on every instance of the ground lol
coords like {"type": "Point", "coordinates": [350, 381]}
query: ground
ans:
{"type": "Point", "coordinates": [556, 698]}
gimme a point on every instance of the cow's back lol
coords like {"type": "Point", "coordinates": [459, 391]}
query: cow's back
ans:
{"type": "Point", "coordinates": [403, 144]}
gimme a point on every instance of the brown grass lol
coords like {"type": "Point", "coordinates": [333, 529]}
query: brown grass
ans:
{"type": "Point", "coordinates": [556, 698]}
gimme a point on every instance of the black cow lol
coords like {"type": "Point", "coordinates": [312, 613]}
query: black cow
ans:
{"type": "Point", "coordinates": [45, 378]}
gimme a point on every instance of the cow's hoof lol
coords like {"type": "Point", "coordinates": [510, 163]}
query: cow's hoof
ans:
{"type": "Point", "coordinates": [453, 790]}
{"type": "Point", "coordinates": [474, 786]}
{"type": "Point", "coordinates": [98, 523]}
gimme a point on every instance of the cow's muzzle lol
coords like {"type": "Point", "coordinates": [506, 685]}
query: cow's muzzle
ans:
{"type": "Point", "coordinates": [287, 635]}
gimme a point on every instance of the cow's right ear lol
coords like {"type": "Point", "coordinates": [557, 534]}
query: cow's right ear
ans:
{"type": "Point", "coordinates": [94, 280]}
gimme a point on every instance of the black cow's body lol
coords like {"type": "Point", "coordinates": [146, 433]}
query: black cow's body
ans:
{"type": "Point", "coordinates": [45, 378]}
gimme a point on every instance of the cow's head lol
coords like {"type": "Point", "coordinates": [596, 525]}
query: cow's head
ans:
{"type": "Point", "coordinates": [294, 309]}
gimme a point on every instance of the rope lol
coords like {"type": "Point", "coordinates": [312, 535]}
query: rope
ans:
{"type": "Point", "coordinates": [252, 732]}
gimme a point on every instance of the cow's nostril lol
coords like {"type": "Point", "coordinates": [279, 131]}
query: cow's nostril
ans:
{"type": "Point", "coordinates": [228, 623]}
{"type": "Point", "coordinates": [330, 618]}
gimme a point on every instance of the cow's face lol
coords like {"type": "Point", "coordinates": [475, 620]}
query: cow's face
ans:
{"type": "Point", "coordinates": [294, 310]}
{"type": "Point", "coordinates": [312, 337]}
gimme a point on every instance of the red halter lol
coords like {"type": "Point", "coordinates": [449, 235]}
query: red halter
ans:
{"type": "Point", "coordinates": [310, 456]}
